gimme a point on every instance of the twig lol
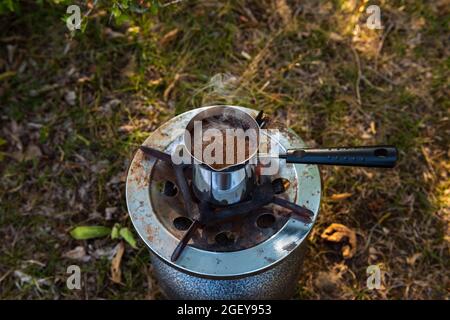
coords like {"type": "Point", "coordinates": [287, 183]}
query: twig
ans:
{"type": "Point", "coordinates": [171, 3]}
{"type": "Point", "coordinates": [381, 44]}
{"type": "Point", "coordinates": [3, 277]}
{"type": "Point", "coordinates": [370, 84]}
{"type": "Point", "coordinates": [90, 10]}
{"type": "Point", "coordinates": [382, 76]}
{"type": "Point", "coordinates": [358, 79]}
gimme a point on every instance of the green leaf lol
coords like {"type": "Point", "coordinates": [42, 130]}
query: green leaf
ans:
{"type": "Point", "coordinates": [124, 4]}
{"type": "Point", "coordinates": [127, 235]}
{"type": "Point", "coordinates": [10, 4]}
{"type": "Point", "coordinates": [89, 232]}
{"type": "Point", "coordinates": [44, 132]}
{"type": "Point", "coordinates": [154, 7]}
{"type": "Point", "coordinates": [123, 18]}
{"type": "Point", "coordinates": [116, 11]}
{"type": "Point", "coordinates": [115, 231]}
{"type": "Point", "coordinates": [7, 74]}
{"type": "Point", "coordinates": [84, 24]}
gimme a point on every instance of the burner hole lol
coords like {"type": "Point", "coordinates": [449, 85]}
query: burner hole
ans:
{"type": "Point", "coordinates": [169, 189]}
{"type": "Point", "coordinates": [265, 221]}
{"type": "Point", "coordinates": [280, 185]}
{"type": "Point", "coordinates": [381, 153]}
{"type": "Point", "coordinates": [182, 223]}
{"type": "Point", "coordinates": [225, 238]}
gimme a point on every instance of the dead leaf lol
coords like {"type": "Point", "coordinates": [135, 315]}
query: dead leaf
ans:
{"type": "Point", "coordinates": [126, 128]}
{"type": "Point", "coordinates": [327, 282]}
{"type": "Point", "coordinates": [373, 255]}
{"type": "Point", "coordinates": [133, 30]}
{"type": "Point", "coordinates": [130, 69]}
{"type": "Point", "coordinates": [107, 253]}
{"type": "Point", "coordinates": [26, 278]}
{"type": "Point", "coordinates": [284, 11]}
{"type": "Point", "coordinates": [340, 196]}
{"type": "Point", "coordinates": [32, 152]}
{"type": "Point", "coordinates": [169, 36]}
{"type": "Point", "coordinates": [418, 24]}
{"type": "Point", "coordinates": [426, 155]}
{"type": "Point", "coordinates": [109, 212]}
{"type": "Point", "coordinates": [412, 260]}
{"type": "Point", "coordinates": [246, 55]}
{"type": "Point", "coordinates": [108, 107]}
{"type": "Point", "coordinates": [111, 34]}
{"type": "Point", "coordinates": [23, 277]}
{"type": "Point", "coordinates": [339, 233]}
{"type": "Point", "coordinates": [335, 36]}
{"type": "Point", "coordinates": [116, 273]}
{"type": "Point", "coordinates": [171, 86]}
{"type": "Point", "coordinates": [70, 97]}
{"type": "Point", "coordinates": [155, 82]}
{"type": "Point", "coordinates": [373, 128]}
{"type": "Point", "coordinates": [79, 253]}
{"type": "Point", "coordinates": [118, 178]}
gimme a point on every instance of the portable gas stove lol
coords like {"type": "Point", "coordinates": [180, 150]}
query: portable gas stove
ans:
{"type": "Point", "coordinates": [213, 244]}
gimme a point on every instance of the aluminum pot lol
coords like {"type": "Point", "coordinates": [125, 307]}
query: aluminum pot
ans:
{"type": "Point", "coordinates": [232, 182]}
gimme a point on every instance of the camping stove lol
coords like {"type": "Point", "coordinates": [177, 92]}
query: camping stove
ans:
{"type": "Point", "coordinates": [251, 249]}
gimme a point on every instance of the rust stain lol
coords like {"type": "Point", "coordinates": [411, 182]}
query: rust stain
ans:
{"type": "Point", "coordinates": [269, 259]}
{"type": "Point", "coordinates": [289, 247]}
{"type": "Point", "coordinates": [149, 232]}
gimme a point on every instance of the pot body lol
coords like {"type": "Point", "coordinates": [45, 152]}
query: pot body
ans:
{"type": "Point", "coordinates": [233, 182]}
{"type": "Point", "coordinates": [223, 187]}
{"type": "Point", "coordinates": [278, 282]}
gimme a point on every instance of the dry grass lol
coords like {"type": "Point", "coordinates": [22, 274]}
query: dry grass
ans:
{"type": "Point", "coordinates": [74, 109]}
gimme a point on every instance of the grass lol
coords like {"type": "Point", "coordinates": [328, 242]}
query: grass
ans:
{"type": "Point", "coordinates": [301, 66]}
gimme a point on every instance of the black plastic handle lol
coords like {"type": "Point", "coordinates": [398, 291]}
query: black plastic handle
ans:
{"type": "Point", "coordinates": [372, 156]}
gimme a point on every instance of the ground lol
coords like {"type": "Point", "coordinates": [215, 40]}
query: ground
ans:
{"type": "Point", "coordinates": [74, 108]}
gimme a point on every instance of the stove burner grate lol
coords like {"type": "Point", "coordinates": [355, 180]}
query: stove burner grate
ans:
{"type": "Point", "coordinates": [205, 215]}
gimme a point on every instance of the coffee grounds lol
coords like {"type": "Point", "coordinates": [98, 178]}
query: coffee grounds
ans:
{"type": "Point", "coordinates": [223, 123]}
